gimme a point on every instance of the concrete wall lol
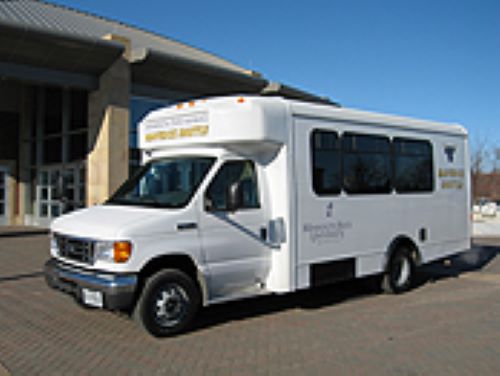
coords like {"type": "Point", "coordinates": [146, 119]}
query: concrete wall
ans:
{"type": "Point", "coordinates": [107, 162]}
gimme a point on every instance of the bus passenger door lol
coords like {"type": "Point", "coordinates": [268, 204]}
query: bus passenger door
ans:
{"type": "Point", "coordinates": [323, 224]}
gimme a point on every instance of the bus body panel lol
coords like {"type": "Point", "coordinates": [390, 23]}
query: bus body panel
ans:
{"type": "Point", "coordinates": [345, 234]}
{"type": "Point", "coordinates": [302, 237]}
{"type": "Point", "coordinates": [349, 234]}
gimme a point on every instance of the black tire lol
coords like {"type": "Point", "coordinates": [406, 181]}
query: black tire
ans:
{"type": "Point", "coordinates": [400, 274]}
{"type": "Point", "coordinates": [168, 303]}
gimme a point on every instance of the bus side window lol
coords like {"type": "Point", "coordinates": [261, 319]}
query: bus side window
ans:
{"type": "Point", "coordinates": [325, 162]}
{"type": "Point", "coordinates": [366, 163]}
{"type": "Point", "coordinates": [413, 170]}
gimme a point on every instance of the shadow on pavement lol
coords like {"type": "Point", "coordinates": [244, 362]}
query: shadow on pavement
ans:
{"type": "Point", "coordinates": [314, 298]}
{"type": "Point", "coordinates": [20, 234]}
{"type": "Point", "coordinates": [21, 277]}
{"type": "Point", "coordinates": [472, 260]}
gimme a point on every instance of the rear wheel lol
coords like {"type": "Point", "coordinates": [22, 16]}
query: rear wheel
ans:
{"type": "Point", "coordinates": [400, 273]}
{"type": "Point", "coordinates": [168, 303]}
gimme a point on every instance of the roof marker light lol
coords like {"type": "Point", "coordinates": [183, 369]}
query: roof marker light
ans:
{"type": "Point", "coordinates": [241, 100]}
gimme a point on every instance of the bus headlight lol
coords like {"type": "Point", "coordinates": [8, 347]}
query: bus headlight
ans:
{"type": "Point", "coordinates": [108, 251]}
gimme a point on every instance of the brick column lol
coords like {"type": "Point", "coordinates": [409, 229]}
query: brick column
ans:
{"type": "Point", "coordinates": [107, 161]}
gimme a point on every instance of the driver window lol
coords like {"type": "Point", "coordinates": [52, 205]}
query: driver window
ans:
{"type": "Point", "coordinates": [242, 172]}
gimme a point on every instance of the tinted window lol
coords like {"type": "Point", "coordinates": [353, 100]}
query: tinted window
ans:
{"type": "Point", "coordinates": [52, 150]}
{"type": "Point", "coordinates": [412, 165]}
{"type": "Point", "coordinates": [242, 172]}
{"type": "Point", "coordinates": [139, 108]}
{"type": "Point", "coordinates": [53, 111]}
{"type": "Point", "coordinates": [78, 109]}
{"type": "Point", "coordinates": [326, 162]}
{"type": "Point", "coordinates": [366, 164]}
{"type": "Point", "coordinates": [77, 146]}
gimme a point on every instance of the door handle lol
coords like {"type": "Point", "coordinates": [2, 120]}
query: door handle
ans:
{"type": "Point", "coordinates": [263, 233]}
{"type": "Point", "coordinates": [186, 226]}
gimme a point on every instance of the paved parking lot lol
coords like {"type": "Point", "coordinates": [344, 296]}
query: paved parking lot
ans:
{"type": "Point", "coordinates": [450, 324]}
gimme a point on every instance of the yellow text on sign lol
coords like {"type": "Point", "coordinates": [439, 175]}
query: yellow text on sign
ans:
{"type": "Point", "coordinates": [452, 184]}
{"type": "Point", "coordinates": [451, 178]}
{"type": "Point", "coordinates": [196, 131]}
{"type": "Point", "coordinates": [451, 172]}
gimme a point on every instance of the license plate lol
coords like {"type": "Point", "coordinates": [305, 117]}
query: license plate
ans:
{"type": "Point", "coordinates": [92, 298]}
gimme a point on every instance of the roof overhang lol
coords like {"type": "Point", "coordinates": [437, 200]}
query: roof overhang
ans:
{"type": "Point", "coordinates": [40, 55]}
{"type": "Point", "coordinates": [160, 69]}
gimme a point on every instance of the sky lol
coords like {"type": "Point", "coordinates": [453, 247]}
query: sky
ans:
{"type": "Point", "coordinates": [436, 60]}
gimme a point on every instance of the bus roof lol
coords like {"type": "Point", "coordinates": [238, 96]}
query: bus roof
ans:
{"type": "Point", "coordinates": [240, 119]}
{"type": "Point", "coordinates": [350, 115]}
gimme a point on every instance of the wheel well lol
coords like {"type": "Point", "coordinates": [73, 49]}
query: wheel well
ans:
{"type": "Point", "coordinates": [179, 262]}
{"type": "Point", "coordinates": [404, 241]}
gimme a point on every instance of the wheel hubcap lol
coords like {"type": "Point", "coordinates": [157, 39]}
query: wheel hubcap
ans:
{"type": "Point", "coordinates": [403, 271]}
{"type": "Point", "coordinates": [171, 305]}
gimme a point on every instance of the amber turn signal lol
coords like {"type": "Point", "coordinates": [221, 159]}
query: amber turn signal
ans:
{"type": "Point", "coordinates": [122, 251]}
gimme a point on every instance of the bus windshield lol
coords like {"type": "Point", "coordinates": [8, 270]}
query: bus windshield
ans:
{"type": "Point", "coordinates": [165, 183]}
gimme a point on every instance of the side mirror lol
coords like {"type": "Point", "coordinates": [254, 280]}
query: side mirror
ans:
{"type": "Point", "coordinates": [233, 197]}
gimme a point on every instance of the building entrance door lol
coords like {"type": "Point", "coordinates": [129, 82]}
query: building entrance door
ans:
{"type": "Point", "coordinates": [4, 209]}
{"type": "Point", "coordinates": [59, 189]}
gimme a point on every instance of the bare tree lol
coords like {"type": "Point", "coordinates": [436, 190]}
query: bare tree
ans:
{"type": "Point", "coordinates": [479, 155]}
{"type": "Point", "coordinates": [485, 163]}
{"type": "Point", "coordinates": [496, 161]}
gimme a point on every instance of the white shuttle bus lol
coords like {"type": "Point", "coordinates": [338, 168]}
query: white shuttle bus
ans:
{"type": "Point", "coordinates": [242, 196]}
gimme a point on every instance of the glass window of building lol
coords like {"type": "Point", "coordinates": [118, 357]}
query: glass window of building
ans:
{"type": "Point", "coordinates": [139, 108]}
{"type": "Point", "coordinates": [59, 146]}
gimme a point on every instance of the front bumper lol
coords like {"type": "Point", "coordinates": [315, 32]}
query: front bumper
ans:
{"type": "Point", "coordinates": [118, 290]}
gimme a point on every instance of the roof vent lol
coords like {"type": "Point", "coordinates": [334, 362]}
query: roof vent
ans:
{"type": "Point", "coordinates": [278, 89]}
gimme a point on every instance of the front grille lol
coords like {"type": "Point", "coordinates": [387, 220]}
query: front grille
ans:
{"type": "Point", "coordinates": [80, 250]}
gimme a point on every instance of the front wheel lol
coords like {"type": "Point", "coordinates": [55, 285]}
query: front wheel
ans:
{"type": "Point", "coordinates": [400, 273]}
{"type": "Point", "coordinates": [168, 303]}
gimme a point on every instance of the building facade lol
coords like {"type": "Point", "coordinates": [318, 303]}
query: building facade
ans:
{"type": "Point", "coordinates": [73, 87]}
{"type": "Point", "coordinates": [486, 186]}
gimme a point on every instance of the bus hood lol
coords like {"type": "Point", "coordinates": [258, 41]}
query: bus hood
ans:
{"type": "Point", "coordinates": [110, 222]}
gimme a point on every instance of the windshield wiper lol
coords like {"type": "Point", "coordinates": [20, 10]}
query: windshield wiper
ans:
{"type": "Point", "coordinates": [143, 201]}
{"type": "Point", "coordinates": [150, 201]}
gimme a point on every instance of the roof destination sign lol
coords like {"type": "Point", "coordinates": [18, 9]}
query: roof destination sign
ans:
{"type": "Point", "coordinates": [193, 124]}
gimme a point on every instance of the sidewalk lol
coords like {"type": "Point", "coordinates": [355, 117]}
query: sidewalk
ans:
{"type": "Point", "coordinates": [489, 227]}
